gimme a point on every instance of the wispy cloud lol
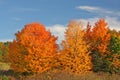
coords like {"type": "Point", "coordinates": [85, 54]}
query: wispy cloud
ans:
{"type": "Point", "coordinates": [89, 8]}
{"type": "Point", "coordinates": [111, 16]}
{"type": "Point", "coordinates": [5, 40]}
{"type": "Point", "coordinates": [99, 10]}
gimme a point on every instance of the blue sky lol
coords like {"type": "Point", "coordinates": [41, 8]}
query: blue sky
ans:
{"type": "Point", "coordinates": [55, 14]}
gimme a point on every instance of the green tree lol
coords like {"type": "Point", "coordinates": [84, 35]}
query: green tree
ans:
{"type": "Point", "coordinates": [3, 50]}
{"type": "Point", "coordinates": [114, 48]}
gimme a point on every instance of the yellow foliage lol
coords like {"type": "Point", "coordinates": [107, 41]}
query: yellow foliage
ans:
{"type": "Point", "coordinates": [75, 57]}
{"type": "Point", "coordinates": [116, 61]}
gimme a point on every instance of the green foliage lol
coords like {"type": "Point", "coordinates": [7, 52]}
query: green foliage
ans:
{"type": "Point", "coordinates": [111, 62]}
{"type": "Point", "coordinates": [4, 77]}
{"type": "Point", "coordinates": [98, 38]}
{"type": "Point", "coordinates": [114, 50]}
{"type": "Point", "coordinates": [115, 44]}
{"type": "Point", "coordinates": [100, 63]}
{"type": "Point", "coordinates": [3, 50]}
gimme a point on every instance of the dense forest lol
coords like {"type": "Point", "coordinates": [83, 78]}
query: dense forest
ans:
{"type": "Point", "coordinates": [85, 49]}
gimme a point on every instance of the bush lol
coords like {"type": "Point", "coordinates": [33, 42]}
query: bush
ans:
{"type": "Point", "coordinates": [4, 77]}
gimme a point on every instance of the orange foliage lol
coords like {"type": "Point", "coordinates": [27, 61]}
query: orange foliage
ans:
{"type": "Point", "coordinates": [88, 33]}
{"type": "Point", "coordinates": [98, 37]}
{"type": "Point", "coordinates": [40, 45]}
{"type": "Point", "coordinates": [16, 57]}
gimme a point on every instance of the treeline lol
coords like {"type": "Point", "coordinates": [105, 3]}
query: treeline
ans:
{"type": "Point", "coordinates": [91, 49]}
{"type": "Point", "coordinates": [4, 47]}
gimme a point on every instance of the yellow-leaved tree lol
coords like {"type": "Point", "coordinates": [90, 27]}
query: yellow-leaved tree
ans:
{"type": "Point", "coordinates": [74, 56]}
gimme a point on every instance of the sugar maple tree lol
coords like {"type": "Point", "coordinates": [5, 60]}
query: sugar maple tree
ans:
{"type": "Point", "coordinates": [33, 49]}
{"type": "Point", "coordinates": [98, 36]}
{"type": "Point", "coordinates": [75, 57]}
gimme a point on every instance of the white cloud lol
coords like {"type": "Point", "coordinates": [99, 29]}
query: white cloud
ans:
{"type": "Point", "coordinates": [113, 22]}
{"type": "Point", "coordinates": [88, 8]}
{"type": "Point", "coordinates": [99, 10]}
{"type": "Point", "coordinates": [57, 30]}
{"type": "Point", "coordinates": [5, 40]}
{"type": "Point", "coordinates": [110, 16]}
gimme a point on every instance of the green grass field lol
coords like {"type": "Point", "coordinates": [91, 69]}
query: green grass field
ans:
{"type": "Point", "coordinates": [4, 66]}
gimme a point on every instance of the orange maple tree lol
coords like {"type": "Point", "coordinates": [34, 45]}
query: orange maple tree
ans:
{"type": "Point", "coordinates": [39, 45]}
{"type": "Point", "coordinates": [75, 57]}
{"type": "Point", "coordinates": [98, 37]}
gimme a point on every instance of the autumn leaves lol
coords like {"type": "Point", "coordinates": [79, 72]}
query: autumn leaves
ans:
{"type": "Point", "coordinates": [75, 56]}
{"type": "Point", "coordinates": [35, 49]}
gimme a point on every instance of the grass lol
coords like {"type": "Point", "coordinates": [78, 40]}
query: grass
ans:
{"type": "Point", "coordinates": [4, 77]}
{"type": "Point", "coordinates": [60, 75]}
{"type": "Point", "coordinates": [53, 75]}
{"type": "Point", "coordinates": [4, 66]}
